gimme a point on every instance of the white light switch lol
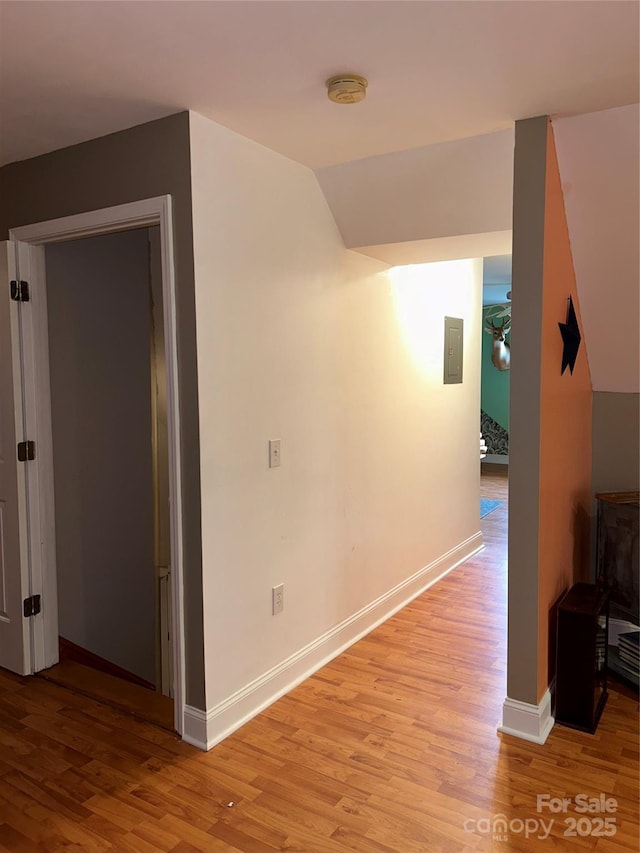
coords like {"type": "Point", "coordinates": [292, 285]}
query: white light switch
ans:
{"type": "Point", "coordinates": [274, 453]}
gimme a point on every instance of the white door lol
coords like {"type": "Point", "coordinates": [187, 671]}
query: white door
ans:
{"type": "Point", "coordinates": [15, 640]}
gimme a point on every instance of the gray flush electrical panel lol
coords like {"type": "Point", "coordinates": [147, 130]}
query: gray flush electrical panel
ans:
{"type": "Point", "coordinates": [453, 339]}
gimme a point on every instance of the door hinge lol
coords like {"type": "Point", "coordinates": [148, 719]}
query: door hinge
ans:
{"type": "Point", "coordinates": [26, 451]}
{"type": "Point", "coordinates": [20, 291]}
{"type": "Point", "coordinates": [32, 605]}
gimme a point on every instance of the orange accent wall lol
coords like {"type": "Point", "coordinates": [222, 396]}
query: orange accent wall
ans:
{"type": "Point", "coordinates": [565, 429]}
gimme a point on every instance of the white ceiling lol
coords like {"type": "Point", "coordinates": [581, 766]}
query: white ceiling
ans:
{"type": "Point", "coordinates": [71, 71]}
{"type": "Point", "coordinates": [438, 72]}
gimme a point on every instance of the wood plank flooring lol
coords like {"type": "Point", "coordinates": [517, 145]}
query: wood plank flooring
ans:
{"type": "Point", "coordinates": [111, 690]}
{"type": "Point", "coordinates": [391, 748]}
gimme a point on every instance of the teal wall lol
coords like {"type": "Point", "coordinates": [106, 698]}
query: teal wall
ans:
{"type": "Point", "coordinates": [494, 392]}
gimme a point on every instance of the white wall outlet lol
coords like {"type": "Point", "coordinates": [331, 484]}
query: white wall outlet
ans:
{"type": "Point", "coordinates": [277, 599]}
{"type": "Point", "coordinates": [274, 453]}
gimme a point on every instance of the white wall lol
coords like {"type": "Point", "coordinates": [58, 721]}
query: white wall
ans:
{"type": "Point", "coordinates": [99, 317]}
{"type": "Point", "coordinates": [301, 340]}
{"type": "Point", "coordinates": [445, 190]}
{"type": "Point", "coordinates": [599, 167]}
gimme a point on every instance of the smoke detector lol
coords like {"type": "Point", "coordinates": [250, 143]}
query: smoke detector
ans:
{"type": "Point", "coordinates": [346, 88]}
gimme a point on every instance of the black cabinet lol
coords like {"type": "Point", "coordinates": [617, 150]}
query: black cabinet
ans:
{"type": "Point", "coordinates": [581, 667]}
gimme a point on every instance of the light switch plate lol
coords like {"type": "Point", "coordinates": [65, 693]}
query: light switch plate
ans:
{"type": "Point", "coordinates": [274, 453]}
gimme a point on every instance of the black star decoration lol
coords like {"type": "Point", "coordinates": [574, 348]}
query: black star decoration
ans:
{"type": "Point", "coordinates": [571, 338]}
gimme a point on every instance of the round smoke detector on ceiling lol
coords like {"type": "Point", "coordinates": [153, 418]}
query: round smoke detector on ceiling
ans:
{"type": "Point", "coordinates": [346, 88]}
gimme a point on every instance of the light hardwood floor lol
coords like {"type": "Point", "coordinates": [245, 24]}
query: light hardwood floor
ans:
{"type": "Point", "coordinates": [392, 747]}
{"type": "Point", "coordinates": [120, 694]}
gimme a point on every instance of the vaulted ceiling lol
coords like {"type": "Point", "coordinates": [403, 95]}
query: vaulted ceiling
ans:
{"type": "Point", "coordinates": [447, 81]}
{"type": "Point", "coordinates": [598, 157]}
{"type": "Point", "coordinates": [437, 71]}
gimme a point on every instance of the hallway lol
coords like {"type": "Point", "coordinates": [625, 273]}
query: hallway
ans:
{"type": "Point", "coordinates": [390, 748]}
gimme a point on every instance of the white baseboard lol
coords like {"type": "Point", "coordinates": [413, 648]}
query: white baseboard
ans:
{"type": "Point", "coordinates": [195, 727]}
{"type": "Point", "coordinates": [529, 722]}
{"type": "Point", "coordinates": [206, 729]}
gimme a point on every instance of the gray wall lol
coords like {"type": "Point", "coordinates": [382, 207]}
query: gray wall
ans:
{"type": "Point", "coordinates": [615, 451]}
{"type": "Point", "coordinates": [145, 161]}
{"type": "Point", "coordinates": [530, 162]}
{"type": "Point", "coordinates": [98, 301]}
{"type": "Point", "coordinates": [616, 442]}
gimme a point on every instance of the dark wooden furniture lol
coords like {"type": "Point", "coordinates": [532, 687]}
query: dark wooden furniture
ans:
{"type": "Point", "coordinates": [581, 669]}
{"type": "Point", "coordinates": [617, 565]}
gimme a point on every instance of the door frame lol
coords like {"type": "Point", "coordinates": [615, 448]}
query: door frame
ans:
{"type": "Point", "coordinates": [31, 241]}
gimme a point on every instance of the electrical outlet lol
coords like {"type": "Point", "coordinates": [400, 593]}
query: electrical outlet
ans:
{"type": "Point", "coordinates": [277, 599]}
{"type": "Point", "coordinates": [274, 453]}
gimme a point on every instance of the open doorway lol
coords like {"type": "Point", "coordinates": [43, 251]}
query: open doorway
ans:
{"type": "Point", "coordinates": [494, 390]}
{"type": "Point", "coordinates": [31, 645]}
{"type": "Point", "coordinates": [110, 464]}
{"type": "Point", "coordinates": [495, 365]}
